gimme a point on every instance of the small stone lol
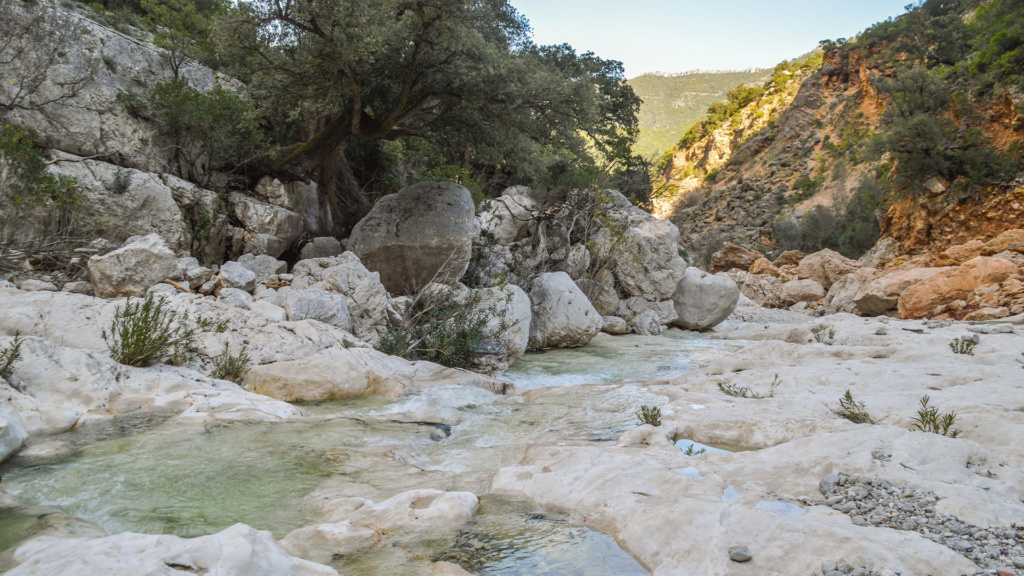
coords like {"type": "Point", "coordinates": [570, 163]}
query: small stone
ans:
{"type": "Point", "coordinates": [827, 567]}
{"type": "Point", "coordinates": [740, 554]}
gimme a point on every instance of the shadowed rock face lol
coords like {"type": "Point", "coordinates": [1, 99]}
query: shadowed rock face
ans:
{"type": "Point", "coordinates": [421, 232]}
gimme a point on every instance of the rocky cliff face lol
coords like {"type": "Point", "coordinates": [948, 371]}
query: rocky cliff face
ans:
{"type": "Point", "coordinates": [803, 147]}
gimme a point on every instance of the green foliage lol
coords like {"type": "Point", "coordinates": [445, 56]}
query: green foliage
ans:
{"type": "Point", "coordinates": [649, 415]}
{"type": "Point", "coordinates": [824, 334]}
{"type": "Point", "coordinates": [853, 410]}
{"type": "Point", "coordinates": [182, 28]}
{"type": "Point", "coordinates": [147, 331]}
{"type": "Point", "coordinates": [213, 130]}
{"type": "Point", "coordinates": [691, 452]}
{"type": "Point", "coordinates": [929, 419]}
{"type": "Point", "coordinates": [963, 346]}
{"type": "Point", "coordinates": [850, 228]}
{"type": "Point", "coordinates": [10, 355]}
{"type": "Point", "coordinates": [231, 367]}
{"type": "Point", "coordinates": [673, 103]}
{"type": "Point", "coordinates": [737, 391]}
{"type": "Point", "coordinates": [444, 328]}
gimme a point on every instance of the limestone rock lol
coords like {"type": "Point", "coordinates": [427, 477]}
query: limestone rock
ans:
{"type": "Point", "coordinates": [368, 301]}
{"type": "Point", "coordinates": [507, 217]}
{"type": "Point", "coordinates": [424, 231]}
{"type": "Point", "coordinates": [133, 268]}
{"type": "Point", "coordinates": [12, 431]}
{"type": "Point", "coordinates": [298, 197]}
{"type": "Point", "coordinates": [733, 256]}
{"type": "Point", "coordinates": [326, 307]}
{"type": "Point", "coordinates": [235, 298]}
{"type": "Point", "coordinates": [407, 518]}
{"type": "Point", "coordinates": [763, 289]}
{"type": "Point", "coordinates": [563, 317]}
{"type": "Point", "coordinates": [843, 294]}
{"type": "Point", "coordinates": [513, 304]}
{"type": "Point", "coordinates": [234, 275]}
{"type": "Point", "coordinates": [235, 551]}
{"type": "Point", "coordinates": [125, 202]}
{"type": "Point", "coordinates": [573, 260]}
{"type": "Point", "coordinates": [884, 251]}
{"type": "Point", "coordinates": [646, 260]}
{"type": "Point", "coordinates": [614, 325]}
{"type": "Point", "coordinates": [262, 220]}
{"type": "Point", "coordinates": [921, 300]}
{"type": "Point", "coordinates": [1009, 241]}
{"type": "Point", "coordinates": [345, 373]}
{"type": "Point", "coordinates": [826, 267]}
{"type": "Point", "coordinates": [703, 301]}
{"type": "Point", "coordinates": [883, 294]}
{"type": "Point", "coordinates": [263, 266]}
{"type": "Point", "coordinates": [796, 291]}
{"type": "Point", "coordinates": [321, 247]}
{"type": "Point", "coordinates": [765, 266]}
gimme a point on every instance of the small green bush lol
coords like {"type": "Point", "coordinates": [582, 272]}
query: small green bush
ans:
{"type": "Point", "coordinates": [145, 331]}
{"type": "Point", "coordinates": [9, 356]}
{"type": "Point", "coordinates": [649, 415]}
{"type": "Point", "coordinates": [963, 346]}
{"type": "Point", "coordinates": [824, 334]}
{"type": "Point", "coordinates": [691, 452]}
{"type": "Point", "coordinates": [929, 419]}
{"type": "Point", "coordinates": [231, 367]}
{"type": "Point", "coordinates": [853, 410]}
{"type": "Point", "coordinates": [736, 391]}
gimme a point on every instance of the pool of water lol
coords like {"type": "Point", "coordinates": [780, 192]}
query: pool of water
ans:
{"type": "Point", "coordinates": [144, 475]}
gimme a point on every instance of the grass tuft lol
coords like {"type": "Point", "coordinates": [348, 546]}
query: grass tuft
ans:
{"type": "Point", "coordinates": [853, 410]}
{"type": "Point", "coordinates": [649, 415]}
{"type": "Point", "coordinates": [929, 419]}
{"type": "Point", "coordinates": [9, 356]}
{"type": "Point", "coordinates": [730, 389]}
{"type": "Point", "coordinates": [963, 346]}
{"type": "Point", "coordinates": [232, 368]}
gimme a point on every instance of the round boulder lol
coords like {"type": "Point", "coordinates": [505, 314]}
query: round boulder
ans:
{"type": "Point", "coordinates": [703, 301]}
{"type": "Point", "coordinates": [423, 233]}
{"type": "Point", "coordinates": [563, 317]}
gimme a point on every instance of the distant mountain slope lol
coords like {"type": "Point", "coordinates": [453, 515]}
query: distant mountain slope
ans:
{"type": "Point", "coordinates": [675, 102]}
{"type": "Point", "coordinates": [914, 130]}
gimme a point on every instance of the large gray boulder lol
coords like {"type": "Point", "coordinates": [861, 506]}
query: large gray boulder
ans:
{"type": "Point", "coordinates": [506, 218]}
{"type": "Point", "coordinates": [321, 247]}
{"type": "Point", "coordinates": [600, 289]}
{"type": "Point", "coordinates": [563, 317]}
{"type": "Point", "coordinates": [513, 306]}
{"type": "Point", "coordinates": [234, 275]}
{"type": "Point", "coordinates": [262, 265]}
{"type": "Point", "coordinates": [420, 234]}
{"type": "Point", "coordinates": [703, 301]}
{"type": "Point", "coordinates": [133, 268]}
{"type": "Point", "coordinates": [264, 222]}
{"type": "Point", "coordinates": [12, 431]}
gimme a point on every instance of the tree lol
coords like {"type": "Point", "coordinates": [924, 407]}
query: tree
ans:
{"type": "Point", "coordinates": [182, 28]}
{"type": "Point", "coordinates": [463, 76]}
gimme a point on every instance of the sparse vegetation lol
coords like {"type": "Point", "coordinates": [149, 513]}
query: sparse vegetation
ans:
{"type": "Point", "coordinates": [10, 355]}
{"type": "Point", "coordinates": [443, 327]}
{"type": "Point", "coordinates": [853, 410]}
{"type": "Point", "coordinates": [737, 391]}
{"type": "Point", "coordinates": [231, 367]}
{"type": "Point", "coordinates": [649, 415]}
{"type": "Point", "coordinates": [824, 334]}
{"type": "Point", "coordinates": [963, 346]}
{"type": "Point", "coordinates": [929, 419]}
{"type": "Point", "coordinates": [145, 331]}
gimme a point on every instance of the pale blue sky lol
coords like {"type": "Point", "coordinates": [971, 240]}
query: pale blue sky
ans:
{"type": "Point", "coordinates": [681, 35]}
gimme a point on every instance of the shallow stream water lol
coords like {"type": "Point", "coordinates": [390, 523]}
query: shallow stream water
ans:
{"type": "Point", "coordinates": [146, 475]}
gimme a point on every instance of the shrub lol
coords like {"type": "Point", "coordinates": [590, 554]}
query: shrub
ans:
{"type": "Point", "coordinates": [851, 227]}
{"type": "Point", "coordinates": [824, 334]}
{"type": "Point", "coordinates": [9, 356]}
{"type": "Point", "coordinates": [853, 410]}
{"type": "Point", "coordinates": [145, 331]}
{"type": "Point", "coordinates": [929, 419]}
{"type": "Point", "coordinates": [736, 391]}
{"type": "Point", "coordinates": [691, 452]}
{"type": "Point", "coordinates": [441, 327]}
{"type": "Point", "coordinates": [231, 367]}
{"type": "Point", "coordinates": [649, 415]}
{"type": "Point", "coordinates": [963, 346]}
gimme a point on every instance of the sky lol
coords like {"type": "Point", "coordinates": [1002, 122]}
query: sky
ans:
{"type": "Point", "coordinates": [682, 35]}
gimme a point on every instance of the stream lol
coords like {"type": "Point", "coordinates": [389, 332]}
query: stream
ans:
{"type": "Point", "coordinates": [145, 474]}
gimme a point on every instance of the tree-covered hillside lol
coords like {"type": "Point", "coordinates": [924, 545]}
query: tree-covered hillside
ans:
{"type": "Point", "coordinates": [672, 103]}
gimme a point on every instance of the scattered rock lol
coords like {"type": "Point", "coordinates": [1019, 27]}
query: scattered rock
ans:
{"type": "Point", "coordinates": [331, 309]}
{"type": "Point", "coordinates": [235, 298]}
{"type": "Point", "coordinates": [826, 267]}
{"type": "Point", "coordinates": [263, 266]}
{"type": "Point", "coordinates": [234, 275]}
{"type": "Point", "coordinates": [740, 554]}
{"type": "Point", "coordinates": [614, 325]}
{"type": "Point", "coordinates": [883, 252]}
{"type": "Point", "coordinates": [1009, 241]}
{"type": "Point", "coordinates": [796, 291]}
{"type": "Point", "coordinates": [790, 258]}
{"type": "Point", "coordinates": [321, 247]}
{"type": "Point", "coordinates": [883, 294]}
{"type": "Point", "coordinates": [734, 256]}
{"type": "Point", "coordinates": [921, 300]}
